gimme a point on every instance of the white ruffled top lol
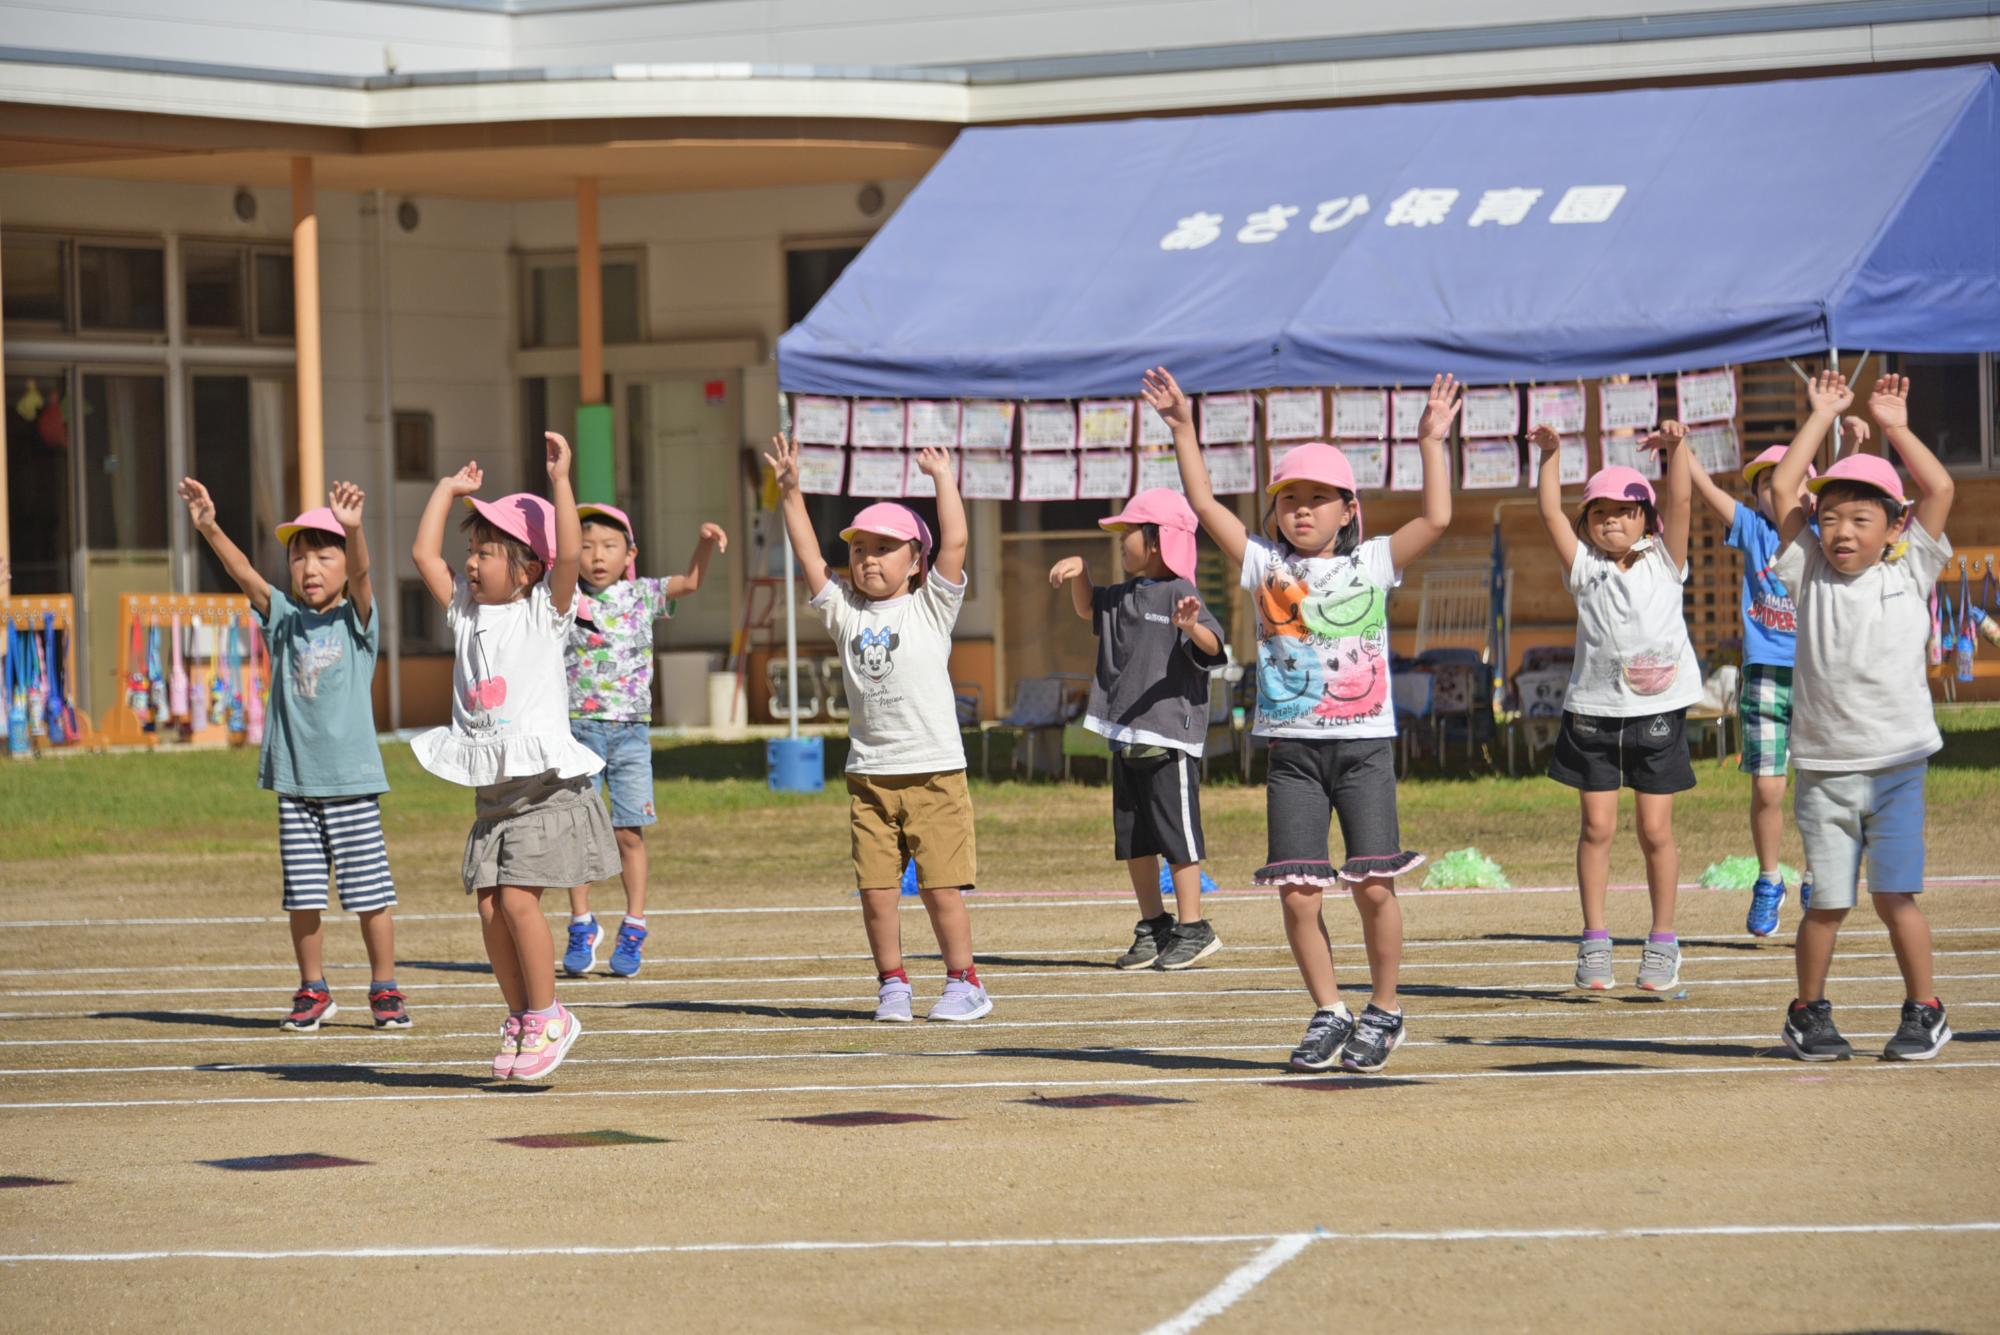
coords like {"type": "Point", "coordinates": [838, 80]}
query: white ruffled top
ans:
{"type": "Point", "coordinates": [510, 698]}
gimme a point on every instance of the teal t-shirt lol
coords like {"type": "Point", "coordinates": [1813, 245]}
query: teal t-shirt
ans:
{"type": "Point", "coordinates": [319, 732]}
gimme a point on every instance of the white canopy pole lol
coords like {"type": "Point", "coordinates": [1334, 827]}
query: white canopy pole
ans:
{"type": "Point", "coordinates": [791, 639]}
{"type": "Point", "coordinates": [1833, 355]}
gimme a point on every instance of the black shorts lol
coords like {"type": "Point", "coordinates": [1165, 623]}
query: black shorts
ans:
{"type": "Point", "coordinates": [1314, 782]}
{"type": "Point", "coordinates": [1156, 807]}
{"type": "Point", "coordinates": [1648, 754]}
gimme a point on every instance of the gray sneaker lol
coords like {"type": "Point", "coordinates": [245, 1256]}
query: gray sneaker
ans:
{"type": "Point", "coordinates": [1320, 1049]}
{"type": "Point", "coordinates": [1660, 966]}
{"type": "Point", "coordinates": [894, 1003]}
{"type": "Point", "coordinates": [1593, 964]}
{"type": "Point", "coordinates": [1190, 942]}
{"type": "Point", "coordinates": [961, 1001]}
{"type": "Point", "coordinates": [1149, 939]}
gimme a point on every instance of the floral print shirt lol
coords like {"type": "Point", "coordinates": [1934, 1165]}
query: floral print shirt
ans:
{"type": "Point", "coordinates": [609, 655]}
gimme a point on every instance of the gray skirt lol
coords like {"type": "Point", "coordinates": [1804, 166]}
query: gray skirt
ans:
{"type": "Point", "coordinates": [540, 832]}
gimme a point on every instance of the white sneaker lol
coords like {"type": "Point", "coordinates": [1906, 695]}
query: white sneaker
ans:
{"type": "Point", "coordinates": [894, 1003]}
{"type": "Point", "coordinates": [961, 1001]}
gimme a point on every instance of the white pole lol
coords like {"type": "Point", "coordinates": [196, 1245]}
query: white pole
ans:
{"type": "Point", "coordinates": [389, 610]}
{"type": "Point", "coordinates": [791, 639]}
{"type": "Point", "coordinates": [1833, 355]}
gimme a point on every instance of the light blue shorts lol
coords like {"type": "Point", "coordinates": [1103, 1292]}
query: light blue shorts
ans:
{"type": "Point", "coordinates": [1844, 816]}
{"type": "Point", "coordinates": [628, 765]}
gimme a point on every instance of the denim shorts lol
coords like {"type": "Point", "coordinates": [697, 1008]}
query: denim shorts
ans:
{"type": "Point", "coordinates": [628, 766]}
{"type": "Point", "coordinates": [1876, 815]}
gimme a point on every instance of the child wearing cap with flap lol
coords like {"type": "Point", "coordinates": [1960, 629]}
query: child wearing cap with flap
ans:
{"type": "Point", "coordinates": [1624, 721]}
{"type": "Point", "coordinates": [1324, 704]}
{"type": "Point", "coordinates": [610, 663]}
{"type": "Point", "coordinates": [538, 824]}
{"type": "Point", "coordinates": [907, 798]}
{"type": "Point", "coordinates": [1862, 723]}
{"type": "Point", "coordinates": [320, 754]}
{"type": "Point", "coordinates": [1156, 645]}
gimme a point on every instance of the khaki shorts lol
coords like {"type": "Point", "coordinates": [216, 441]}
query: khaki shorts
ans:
{"type": "Point", "coordinates": [927, 817]}
{"type": "Point", "coordinates": [539, 833]}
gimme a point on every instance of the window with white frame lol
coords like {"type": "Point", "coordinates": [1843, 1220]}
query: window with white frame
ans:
{"type": "Point", "coordinates": [548, 298]}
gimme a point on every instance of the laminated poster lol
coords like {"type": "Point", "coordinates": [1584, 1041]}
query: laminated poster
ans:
{"type": "Point", "coordinates": [1716, 447]}
{"type": "Point", "coordinates": [1624, 452]}
{"type": "Point", "coordinates": [1559, 406]}
{"type": "Point", "coordinates": [1104, 475]}
{"type": "Point", "coordinates": [1154, 433]}
{"type": "Point", "coordinates": [1294, 414]}
{"type": "Point", "coordinates": [986, 476]}
{"type": "Point", "coordinates": [1491, 463]}
{"type": "Point", "coordinates": [1370, 462]}
{"type": "Point", "coordinates": [1048, 426]}
{"type": "Point", "coordinates": [1633, 406]}
{"type": "Point", "coordinates": [1228, 419]}
{"type": "Point", "coordinates": [1105, 424]}
{"type": "Point", "coordinates": [986, 424]}
{"type": "Point", "coordinates": [1361, 414]}
{"type": "Point", "coordinates": [931, 422]}
{"type": "Point", "coordinates": [1572, 462]}
{"type": "Point", "coordinates": [1408, 412]}
{"type": "Point", "coordinates": [1494, 410]}
{"type": "Point", "coordinates": [819, 421]}
{"type": "Point", "coordinates": [821, 470]}
{"type": "Point", "coordinates": [879, 424]}
{"type": "Point", "coordinates": [1707, 396]}
{"type": "Point", "coordinates": [1406, 467]}
{"type": "Point", "coordinates": [1232, 470]}
{"type": "Point", "coordinates": [875, 473]}
{"type": "Point", "coordinates": [916, 482]}
{"type": "Point", "coordinates": [1048, 477]}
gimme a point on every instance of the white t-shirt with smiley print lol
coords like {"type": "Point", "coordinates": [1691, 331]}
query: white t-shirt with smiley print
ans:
{"type": "Point", "coordinates": [1322, 640]}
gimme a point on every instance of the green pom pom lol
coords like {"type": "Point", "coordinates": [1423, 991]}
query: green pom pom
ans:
{"type": "Point", "coordinates": [1466, 869]}
{"type": "Point", "coordinates": [1741, 874]}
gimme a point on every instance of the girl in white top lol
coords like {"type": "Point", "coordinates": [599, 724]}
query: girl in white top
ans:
{"type": "Point", "coordinates": [537, 823]}
{"type": "Point", "coordinates": [1624, 716]}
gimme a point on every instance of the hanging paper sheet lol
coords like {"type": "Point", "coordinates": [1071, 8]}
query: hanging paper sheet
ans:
{"type": "Point", "coordinates": [821, 470]}
{"type": "Point", "coordinates": [1488, 464]}
{"type": "Point", "coordinates": [879, 424]}
{"type": "Point", "coordinates": [1492, 411]}
{"type": "Point", "coordinates": [931, 422]}
{"type": "Point", "coordinates": [916, 482]}
{"type": "Point", "coordinates": [1622, 451]}
{"type": "Point", "coordinates": [1228, 419]}
{"type": "Point", "coordinates": [1707, 396]}
{"type": "Point", "coordinates": [1370, 461]}
{"type": "Point", "coordinates": [986, 476]}
{"type": "Point", "coordinates": [819, 421]}
{"type": "Point", "coordinates": [1294, 414]}
{"type": "Point", "coordinates": [1048, 477]}
{"type": "Point", "coordinates": [1232, 470]}
{"type": "Point", "coordinates": [1406, 467]}
{"type": "Point", "coordinates": [1559, 406]}
{"type": "Point", "coordinates": [1105, 424]}
{"type": "Point", "coordinates": [1048, 426]}
{"type": "Point", "coordinates": [1104, 475]}
{"type": "Point", "coordinates": [1154, 433]}
{"type": "Point", "coordinates": [1407, 413]}
{"type": "Point", "coordinates": [875, 473]}
{"type": "Point", "coordinates": [1573, 462]}
{"type": "Point", "coordinates": [1632, 406]}
{"type": "Point", "coordinates": [1360, 414]}
{"type": "Point", "coordinates": [986, 424]}
{"type": "Point", "coordinates": [1716, 448]}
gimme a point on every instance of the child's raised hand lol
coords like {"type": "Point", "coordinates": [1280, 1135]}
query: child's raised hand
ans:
{"type": "Point", "coordinates": [1854, 433]}
{"type": "Point", "coordinates": [559, 455]}
{"type": "Point", "coordinates": [934, 463]}
{"type": "Point", "coordinates": [1829, 393]}
{"type": "Point", "coordinates": [1065, 570]}
{"type": "Point", "coordinates": [1164, 393]}
{"type": "Point", "coordinates": [1441, 409]}
{"type": "Point", "coordinates": [784, 461]}
{"type": "Point", "coordinates": [1187, 613]}
{"type": "Point", "coordinates": [1890, 403]}
{"type": "Point", "coordinates": [346, 500]}
{"type": "Point", "coordinates": [1667, 439]}
{"type": "Point", "coordinates": [201, 509]}
{"type": "Point", "coordinates": [713, 536]}
{"type": "Point", "coordinates": [466, 480]}
{"type": "Point", "coordinates": [1545, 439]}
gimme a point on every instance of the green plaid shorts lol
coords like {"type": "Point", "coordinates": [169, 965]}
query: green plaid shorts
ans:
{"type": "Point", "coordinates": [1764, 713]}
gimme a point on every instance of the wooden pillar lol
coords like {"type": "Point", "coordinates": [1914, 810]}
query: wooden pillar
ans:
{"type": "Point", "coordinates": [6, 528]}
{"type": "Point", "coordinates": [596, 475]}
{"type": "Point", "coordinates": [305, 319]}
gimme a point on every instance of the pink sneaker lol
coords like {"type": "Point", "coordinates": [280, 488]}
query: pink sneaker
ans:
{"type": "Point", "coordinates": [544, 1043]}
{"type": "Point", "coordinates": [510, 1048]}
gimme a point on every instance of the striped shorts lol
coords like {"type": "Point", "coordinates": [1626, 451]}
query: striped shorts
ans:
{"type": "Point", "coordinates": [337, 835]}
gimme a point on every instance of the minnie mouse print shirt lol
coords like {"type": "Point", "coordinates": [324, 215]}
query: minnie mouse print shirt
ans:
{"type": "Point", "coordinates": [895, 654]}
{"type": "Point", "coordinates": [1322, 640]}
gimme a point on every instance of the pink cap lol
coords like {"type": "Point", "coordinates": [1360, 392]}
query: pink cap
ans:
{"type": "Point", "coordinates": [1870, 470]}
{"type": "Point", "coordinates": [620, 518]}
{"type": "Point", "coordinates": [891, 520]}
{"type": "Point", "coordinates": [1316, 461]}
{"type": "Point", "coordinates": [320, 520]}
{"type": "Point", "coordinates": [1169, 509]}
{"type": "Point", "coordinates": [1771, 458]}
{"type": "Point", "coordinates": [525, 516]}
{"type": "Point", "coordinates": [1619, 483]}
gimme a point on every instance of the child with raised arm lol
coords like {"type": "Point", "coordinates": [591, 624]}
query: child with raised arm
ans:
{"type": "Point", "coordinates": [1156, 645]}
{"type": "Point", "coordinates": [610, 663]}
{"type": "Point", "coordinates": [320, 756]}
{"type": "Point", "coordinates": [1323, 701]}
{"type": "Point", "coordinates": [1624, 721]}
{"type": "Point", "coordinates": [1862, 724]}
{"type": "Point", "coordinates": [538, 824]}
{"type": "Point", "coordinates": [907, 798]}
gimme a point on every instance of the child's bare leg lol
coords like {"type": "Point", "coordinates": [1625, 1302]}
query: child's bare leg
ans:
{"type": "Point", "coordinates": [881, 912]}
{"type": "Point", "coordinates": [1145, 873]}
{"type": "Point", "coordinates": [309, 945]}
{"type": "Point", "coordinates": [1382, 931]}
{"type": "Point", "coordinates": [1813, 953]}
{"type": "Point", "coordinates": [1305, 930]}
{"type": "Point", "coordinates": [500, 950]}
{"type": "Point", "coordinates": [632, 867]}
{"type": "Point", "coordinates": [579, 901]}
{"type": "Point", "coordinates": [1593, 855]}
{"type": "Point", "coordinates": [1187, 890]}
{"type": "Point", "coordinates": [953, 926]}
{"type": "Point", "coordinates": [1767, 818]}
{"type": "Point", "coordinates": [1910, 935]}
{"type": "Point", "coordinates": [378, 935]}
{"type": "Point", "coordinates": [1663, 856]}
{"type": "Point", "coordinates": [534, 951]}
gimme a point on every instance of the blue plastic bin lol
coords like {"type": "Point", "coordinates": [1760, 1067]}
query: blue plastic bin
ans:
{"type": "Point", "coordinates": [797, 764]}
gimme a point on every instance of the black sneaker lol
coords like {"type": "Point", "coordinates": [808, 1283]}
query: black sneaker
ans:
{"type": "Point", "coordinates": [1810, 1033]}
{"type": "Point", "coordinates": [1376, 1034]}
{"type": "Point", "coordinates": [1320, 1049]}
{"type": "Point", "coordinates": [1921, 1035]}
{"type": "Point", "coordinates": [1149, 938]}
{"type": "Point", "coordinates": [1187, 943]}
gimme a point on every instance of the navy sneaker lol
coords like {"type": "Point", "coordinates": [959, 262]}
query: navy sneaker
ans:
{"type": "Point", "coordinates": [581, 957]}
{"type": "Point", "coordinates": [1325, 1036]}
{"type": "Point", "coordinates": [1805, 890]}
{"type": "Point", "coordinates": [1377, 1033]}
{"type": "Point", "coordinates": [627, 957]}
{"type": "Point", "coordinates": [1766, 898]}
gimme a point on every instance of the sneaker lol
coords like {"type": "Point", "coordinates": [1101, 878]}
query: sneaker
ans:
{"type": "Point", "coordinates": [625, 959]}
{"type": "Point", "coordinates": [961, 1001]}
{"type": "Point", "coordinates": [386, 1005]}
{"type": "Point", "coordinates": [1921, 1035]}
{"type": "Point", "coordinates": [1805, 890]}
{"type": "Point", "coordinates": [1188, 943]}
{"type": "Point", "coordinates": [1320, 1049]}
{"type": "Point", "coordinates": [544, 1043]}
{"type": "Point", "coordinates": [893, 1006]}
{"type": "Point", "coordinates": [581, 957]}
{"type": "Point", "coordinates": [1766, 897]}
{"type": "Point", "coordinates": [1811, 1035]}
{"type": "Point", "coordinates": [1377, 1033]}
{"type": "Point", "coordinates": [1149, 940]}
{"type": "Point", "coordinates": [510, 1048]}
{"type": "Point", "coordinates": [1659, 966]}
{"type": "Point", "coordinates": [309, 1007]}
{"type": "Point", "coordinates": [1593, 964]}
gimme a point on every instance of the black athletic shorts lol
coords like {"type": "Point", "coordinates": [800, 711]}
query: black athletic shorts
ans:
{"type": "Point", "coordinates": [1648, 753]}
{"type": "Point", "coordinates": [1156, 806]}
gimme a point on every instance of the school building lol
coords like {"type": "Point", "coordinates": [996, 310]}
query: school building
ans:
{"type": "Point", "coordinates": [274, 245]}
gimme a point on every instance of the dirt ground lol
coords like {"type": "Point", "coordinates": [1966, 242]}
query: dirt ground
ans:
{"type": "Point", "coordinates": [1532, 1158]}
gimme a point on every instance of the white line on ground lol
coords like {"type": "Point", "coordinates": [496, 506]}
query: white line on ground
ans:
{"type": "Point", "coordinates": [482, 1251]}
{"type": "Point", "coordinates": [1236, 1284]}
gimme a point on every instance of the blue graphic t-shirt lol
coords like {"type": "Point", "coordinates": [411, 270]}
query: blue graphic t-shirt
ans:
{"type": "Point", "coordinates": [319, 733]}
{"type": "Point", "coordinates": [1770, 621]}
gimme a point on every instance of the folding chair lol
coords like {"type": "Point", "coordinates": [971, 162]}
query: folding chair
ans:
{"type": "Point", "coordinates": [810, 696]}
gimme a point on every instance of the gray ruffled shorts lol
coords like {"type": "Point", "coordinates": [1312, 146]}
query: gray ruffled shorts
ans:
{"type": "Point", "coordinates": [539, 832]}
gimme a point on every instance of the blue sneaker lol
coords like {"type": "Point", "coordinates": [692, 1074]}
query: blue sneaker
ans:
{"type": "Point", "coordinates": [625, 960]}
{"type": "Point", "coordinates": [581, 957]}
{"type": "Point", "coordinates": [1805, 890]}
{"type": "Point", "coordinates": [1766, 897]}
